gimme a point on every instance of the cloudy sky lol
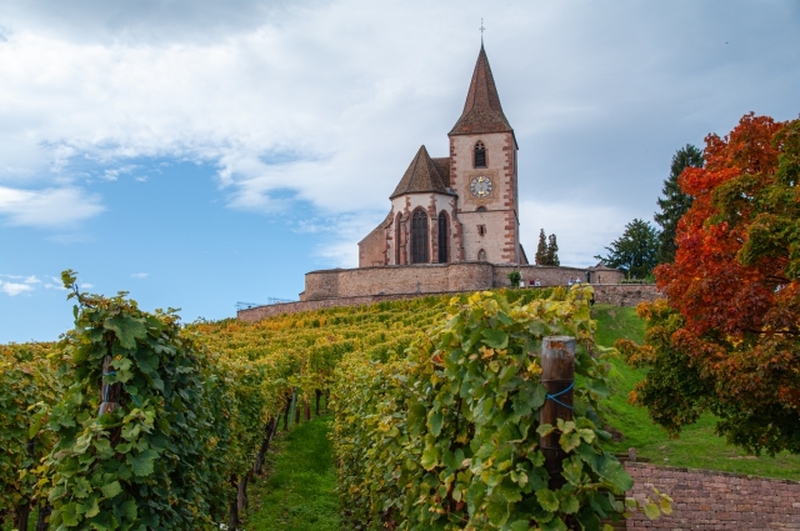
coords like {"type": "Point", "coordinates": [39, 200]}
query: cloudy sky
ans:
{"type": "Point", "coordinates": [200, 153]}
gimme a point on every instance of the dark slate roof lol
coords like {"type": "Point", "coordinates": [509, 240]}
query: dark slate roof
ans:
{"type": "Point", "coordinates": [482, 110]}
{"type": "Point", "coordinates": [422, 175]}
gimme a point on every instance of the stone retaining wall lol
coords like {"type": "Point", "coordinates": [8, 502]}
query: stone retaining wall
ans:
{"type": "Point", "coordinates": [714, 501]}
{"type": "Point", "coordinates": [442, 278]}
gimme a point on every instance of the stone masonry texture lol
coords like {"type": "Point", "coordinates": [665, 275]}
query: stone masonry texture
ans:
{"type": "Point", "coordinates": [715, 501]}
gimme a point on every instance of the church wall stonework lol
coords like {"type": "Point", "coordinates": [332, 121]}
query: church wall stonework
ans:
{"type": "Point", "coordinates": [499, 238]}
{"type": "Point", "coordinates": [372, 249]}
{"type": "Point", "coordinates": [440, 278]}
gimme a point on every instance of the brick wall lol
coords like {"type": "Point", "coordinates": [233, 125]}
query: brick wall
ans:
{"type": "Point", "coordinates": [706, 500]}
{"type": "Point", "coordinates": [624, 294]}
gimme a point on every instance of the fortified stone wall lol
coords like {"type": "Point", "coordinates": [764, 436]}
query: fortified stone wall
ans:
{"type": "Point", "coordinates": [705, 500]}
{"type": "Point", "coordinates": [441, 278]}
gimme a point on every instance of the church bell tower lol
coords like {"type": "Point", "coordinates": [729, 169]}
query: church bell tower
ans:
{"type": "Point", "coordinates": [483, 173]}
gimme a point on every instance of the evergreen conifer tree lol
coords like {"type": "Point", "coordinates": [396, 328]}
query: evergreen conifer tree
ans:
{"type": "Point", "coordinates": [675, 203]}
{"type": "Point", "coordinates": [552, 251]}
{"type": "Point", "coordinates": [541, 249]}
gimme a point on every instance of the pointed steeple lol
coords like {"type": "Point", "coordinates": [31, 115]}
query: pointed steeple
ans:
{"type": "Point", "coordinates": [482, 110]}
{"type": "Point", "coordinates": [421, 176]}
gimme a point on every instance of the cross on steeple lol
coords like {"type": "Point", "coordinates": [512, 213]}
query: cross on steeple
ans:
{"type": "Point", "coordinates": [482, 30]}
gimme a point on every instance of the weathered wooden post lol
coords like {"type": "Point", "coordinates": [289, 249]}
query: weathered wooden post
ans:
{"type": "Point", "coordinates": [109, 393]}
{"type": "Point", "coordinates": [558, 377]}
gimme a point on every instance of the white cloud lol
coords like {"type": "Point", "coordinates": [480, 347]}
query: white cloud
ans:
{"type": "Point", "coordinates": [140, 275]}
{"type": "Point", "coordinates": [50, 207]}
{"type": "Point", "coordinates": [26, 284]}
{"type": "Point", "coordinates": [326, 103]}
{"type": "Point", "coordinates": [14, 288]}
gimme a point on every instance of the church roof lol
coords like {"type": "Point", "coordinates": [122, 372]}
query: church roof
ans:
{"type": "Point", "coordinates": [422, 175]}
{"type": "Point", "coordinates": [482, 110]}
{"type": "Point", "coordinates": [443, 166]}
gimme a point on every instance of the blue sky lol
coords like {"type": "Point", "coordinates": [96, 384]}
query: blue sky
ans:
{"type": "Point", "coordinates": [200, 153]}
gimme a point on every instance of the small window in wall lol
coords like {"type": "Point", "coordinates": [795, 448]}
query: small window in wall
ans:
{"type": "Point", "coordinates": [481, 256]}
{"type": "Point", "coordinates": [480, 209]}
{"type": "Point", "coordinates": [480, 155]}
{"type": "Point", "coordinates": [481, 230]}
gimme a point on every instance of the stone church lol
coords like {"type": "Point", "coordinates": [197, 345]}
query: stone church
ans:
{"type": "Point", "coordinates": [454, 221]}
{"type": "Point", "coordinates": [460, 208]}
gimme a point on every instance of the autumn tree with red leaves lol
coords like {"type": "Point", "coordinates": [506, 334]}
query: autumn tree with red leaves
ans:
{"type": "Point", "coordinates": [727, 338]}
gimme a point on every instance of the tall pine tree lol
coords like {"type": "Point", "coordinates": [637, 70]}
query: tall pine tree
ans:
{"type": "Point", "coordinates": [675, 203]}
{"type": "Point", "coordinates": [541, 249]}
{"type": "Point", "coordinates": [552, 251]}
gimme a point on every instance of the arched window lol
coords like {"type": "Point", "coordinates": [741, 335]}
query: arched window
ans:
{"type": "Point", "coordinates": [480, 209]}
{"type": "Point", "coordinates": [419, 237]}
{"type": "Point", "coordinates": [398, 235]}
{"type": "Point", "coordinates": [444, 233]}
{"type": "Point", "coordinates": [480, 155]}
{"type": "Point", "coordinates": [481, 256]}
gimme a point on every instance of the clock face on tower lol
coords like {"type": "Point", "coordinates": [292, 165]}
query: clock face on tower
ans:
{"type": "Point", "coordinates": [481, 186]}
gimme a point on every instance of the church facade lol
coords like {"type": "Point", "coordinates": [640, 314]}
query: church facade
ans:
{"type": "Point", "coordinates": [454, 221]}
{"type": "Point", "coordinates": [459, 208]}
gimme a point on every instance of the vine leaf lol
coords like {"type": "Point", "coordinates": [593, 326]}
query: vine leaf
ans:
{"type": "Point", "coordinates": [127, 329]}
{"type": "Point", "coordinates": [111, 489]}
{"type": "Point", "coordinates": [547, 499]}
{"type": "Point", "coordinates": [142, 464]}
{"type": "Point", "coordinates": [496, 339]}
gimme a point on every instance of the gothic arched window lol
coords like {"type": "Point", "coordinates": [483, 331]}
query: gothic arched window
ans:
{"type": "Point", "coordinates": [444, 232]}
{"type": "Point", "coordinates": [398, 234]}
{"type": "Point", "coordinates": [419, 237]}
{"type": "Point", "coordinates": [480, 155]}
{"type": "Point", "coordinates": [481, 256]}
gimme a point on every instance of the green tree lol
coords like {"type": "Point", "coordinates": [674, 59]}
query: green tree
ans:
{"type": "Point", "coordinates": [552, 251]}
{"type": "Point", "coordinates": [636, 251]}
{"type": "Point", "coordinates": [541, 249]}
{"type": "Point", "coordinates": [547, 250]}
{"type": "Point", "coordinates": [675, 202]}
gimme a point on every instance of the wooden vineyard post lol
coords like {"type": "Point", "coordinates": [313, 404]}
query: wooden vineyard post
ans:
{"type": "Point", "coordinates": [109, 394]}
{"type": "Point", "coordinates": [558, 377]}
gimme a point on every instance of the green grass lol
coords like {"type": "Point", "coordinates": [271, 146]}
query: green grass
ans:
{"type": "Point", "coordinates": [299, 491]}
{"type": "Point", "coordinates": [698, 446]}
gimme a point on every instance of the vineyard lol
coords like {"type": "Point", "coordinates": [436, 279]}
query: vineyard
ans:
{"type": "Point", "coordinates": [135, 421]}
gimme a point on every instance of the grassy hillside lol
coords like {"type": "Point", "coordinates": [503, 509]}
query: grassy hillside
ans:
{"type": "Point", "coordinates": [698, 445]}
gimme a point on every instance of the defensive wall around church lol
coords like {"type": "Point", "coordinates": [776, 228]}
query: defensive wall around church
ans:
{"type": "Point", "coordinates": [364, 286]}
{"type": "Point", "coordinates": [705, 500]}
{"type": "Point", "coordinates": [442, 278]}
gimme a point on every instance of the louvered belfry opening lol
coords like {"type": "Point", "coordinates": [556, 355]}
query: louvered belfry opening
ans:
{"type": "Point", "coordinates": [480, 155]}
{"type": "Point", "coordinates": [419, 238]}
